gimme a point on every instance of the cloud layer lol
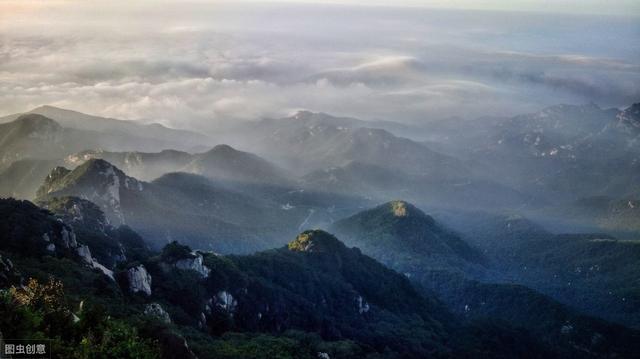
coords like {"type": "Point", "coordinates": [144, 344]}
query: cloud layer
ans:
{"type": "Point", "coordinates": [198, 65]}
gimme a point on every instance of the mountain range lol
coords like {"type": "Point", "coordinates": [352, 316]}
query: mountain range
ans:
{"type": "Point", "coordinates": [129, 134]}
{"type": "Point", "coordinates": [316, 284]}
{"type": "Point", "coordinates": [314, 236]}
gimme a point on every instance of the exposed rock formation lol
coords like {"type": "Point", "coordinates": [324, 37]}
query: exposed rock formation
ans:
{"type": "Point", "coordinates": [225, 301]}
{"type": "Point", "coordinates": [193, 263]}
{"type": "Point", "coordinates": [84, 253]}
{"type": "Point", "coordinates": [139, 280]}
{"type": "Point", "coordinates": [155, 310]}
{"type": "Point", "coordinates": [363, 306]}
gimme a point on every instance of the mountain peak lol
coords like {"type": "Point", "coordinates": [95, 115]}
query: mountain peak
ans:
{"type": "Point", "coordinates": [400, 227]}
{"type": "Point", "coordinates": [401, 208]}
{"type": "Point", "coordinates": [223, 148]}
{"type": "Point", "coordinates": [98, 163]}
{"type": "Point", "coordinates": [317, 118]}
{"type": "Point", "coordinates": [306, 114]}
{"type": "Point", "coordinates": [95, 180]}
{"type": "Point", "coordinates": [630, 117]}
{"type": "Point", "coordinates": [227, 163]}
{"type": "Point", "coordinates": [46, 107]}
{"type": "Point", "coordinates": [37, 122]}
{"type": "Point", "coordinates": [98, 167]}
{"type": "Point", "coordinates": [315, 241]}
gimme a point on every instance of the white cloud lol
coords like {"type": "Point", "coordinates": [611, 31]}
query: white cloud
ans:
{"type": "Point", "coordinates": [194, 65]}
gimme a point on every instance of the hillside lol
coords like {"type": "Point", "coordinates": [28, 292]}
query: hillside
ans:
{"type": "Point", "coordinates": [190, 303]}
{"type": "Point", "coordinates": [408, 240]}
{"type": "Point", "coordinates": [228, 164]}
{"type": "Point", "coordinates": [176, 206]}
{"type": "Point", "coordinates": [38, 137]}
{"type": "Point", "coordinates": [22, 178]}
{"type": "Point", "coordinates": [592, 272]}
{"type": "Point", "coordinates": [222, 163]}
{"type": "Point", "coordinates": [308, 142]}
{"type": "Point", "coordinates": [143, 165]}
{"type": "Point", "coordinates": [148, 137]}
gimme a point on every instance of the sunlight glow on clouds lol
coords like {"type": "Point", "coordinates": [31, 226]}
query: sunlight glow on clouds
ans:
{"type": "Point", "coordinates": [196, 64]}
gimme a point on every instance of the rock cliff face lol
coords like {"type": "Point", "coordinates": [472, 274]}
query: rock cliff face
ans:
{"type": "Point", "coordinates": [315, 241]}
{"type": "Point", "coordinates": [193, 263]}
{"type": "Point", "coordinates": [109, 245]}
{"type": "Point", "coordinates": [363, 306]}
{"type": "Point", "coordinates": [139, 280]}
{"type": "Point", "coordinates": [225, 301]}
{"type": "Point", "coordinates": [85, 253]}
{"type": "Point", "coordinates": [95, 180]}
{"type": "Point", "coordinates": [31, 231]}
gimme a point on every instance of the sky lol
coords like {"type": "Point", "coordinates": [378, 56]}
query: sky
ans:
{"type": "Point", "coordinates": [599, 7]}
{"type": "Point", "coordinates": [201, 64]}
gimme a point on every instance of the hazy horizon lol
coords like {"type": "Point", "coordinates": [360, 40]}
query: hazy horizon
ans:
{"type": "Point", "coordinates": [194, 65]}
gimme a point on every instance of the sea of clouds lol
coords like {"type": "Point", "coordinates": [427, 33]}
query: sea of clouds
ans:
{"type": "Point", "coordinates": [201, 65]}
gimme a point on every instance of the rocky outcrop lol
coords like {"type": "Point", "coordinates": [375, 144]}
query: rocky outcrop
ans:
{"type": "Point", "coordinates": [77, 212]}
{"type": "Point", "coordinates": [194, 263]}
{"type": "Point", "coordinates": [316, 241]}
{"type": "Point", "coordinates": [139, 280]}
{"type": "Point", "coordinates": [68, 238]}
{"type": "Point", "coordinates": [65, 241]}
{"type": "Point", "coordinates": [225, 301]}
{"type": "Point", "coordinates": [85, 253]}
{"type": "Point", "coordinates": [155, 310]}
{"type": "Point", "coordinates": [362, 304]}
{"type": "Point", "coordinates": [97, 181]}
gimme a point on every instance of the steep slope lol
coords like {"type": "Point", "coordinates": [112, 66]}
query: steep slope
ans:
{"type": "Point", "coordinates": [228, 164]}
{"type": "Point", "coordinates": [628, 122]}
{"type": "Point", "coordinates": [565, 330]}
{"type": "Point", "coordinates": [222, 163]}
{"type": "Point", "coordinates": [411, 242]}
{"type": "Point", "coordinates": [95, 180]}
{"type": "Point", "coordinates": [53, 287]}
{"type": "Point", "coordinates": [109, 245]}
{"type": "Point", "coordinates": [495, 234]}
{"type": "Point", "coordinates": [594, 273]}
{"type": "Point", "coordinates": [566, 152]}
{"type": "Point", "coordinates": [317, 284]}
{"type": "Point", "coordinates": [176, 206]}
{"type": "Point", "coordinates": [148, 137]}
{"type": "Point", "coordinates": [338, 301]}
{"type": "Point", "coordinates": [589, 272]}
{"type": "Point", "coordinates": [406, 239]}
{"type": "Point", "coordinates": [340, 154]}
{"type": "Point", "coordinates": [309, 141]}
{"type": "Point", "coordinates": [143, 165]}
{"type": "Point", "coordinates": [22, 178]}
{"type": "Point", "coordinates": [384, 184]}
{"type": "Point", "coordinates": [29, 231]}
{"type": "Point", "coordinates": [352, 296]}
{"type": "Point", "coordinates": [38, 137]}
{"type": "Point", "coordinates": [310, 118]}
